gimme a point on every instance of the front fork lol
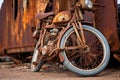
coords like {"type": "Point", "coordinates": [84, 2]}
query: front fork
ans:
{"type": "Point", "coordinates": [77, 17]}
{"type": "Point", "coordinates": [80, 35]}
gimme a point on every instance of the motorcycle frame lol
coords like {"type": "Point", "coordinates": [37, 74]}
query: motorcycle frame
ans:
{"type": "Point", "coordinates": [76, 23]}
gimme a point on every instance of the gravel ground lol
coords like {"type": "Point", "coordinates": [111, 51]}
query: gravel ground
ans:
{"type": "Point", "coordinates": [11, 71]}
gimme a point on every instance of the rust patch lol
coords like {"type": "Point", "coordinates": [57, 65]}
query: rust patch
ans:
{"type": "Point", "coordinates": [105, 19]}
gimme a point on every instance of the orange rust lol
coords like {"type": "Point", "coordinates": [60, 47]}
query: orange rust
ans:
{"type": "Point", "coordinates": [105, 19]}
{"type": "Point", "coordinates": [62, 17]}
{"type": "Point", "coordinates": [17, 32]}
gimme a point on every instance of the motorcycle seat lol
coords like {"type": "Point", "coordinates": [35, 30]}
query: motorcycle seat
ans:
{"type": "Point", "coordinates": [44, 15]}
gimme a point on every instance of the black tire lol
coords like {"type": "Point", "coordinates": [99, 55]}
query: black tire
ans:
{"type": "Point", "coordinates": [87, 63]}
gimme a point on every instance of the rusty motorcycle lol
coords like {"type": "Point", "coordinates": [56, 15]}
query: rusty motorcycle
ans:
{"type": "Point", "coordinates": [66, 37]}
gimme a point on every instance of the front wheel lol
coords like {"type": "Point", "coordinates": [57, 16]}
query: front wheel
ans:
{"type": "Point", "coordinates": [89, 61]}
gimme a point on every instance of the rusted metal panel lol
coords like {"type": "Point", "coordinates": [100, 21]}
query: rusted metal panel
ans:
{"type": "Point", "coordinates": [106, 21]}
{"type": "Point", "coordinates": [18, 17]}
{"type": "Point", "coordinates": [16, 24]}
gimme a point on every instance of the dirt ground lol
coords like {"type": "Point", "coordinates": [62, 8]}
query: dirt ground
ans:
{"type": "Point", "coordinates": [10, 71]}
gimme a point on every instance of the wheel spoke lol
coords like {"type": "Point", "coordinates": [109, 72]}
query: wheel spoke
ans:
{"type": "Point", "coordinates": [82, 60]}
{"type": "Point", "coordinates": [90, 59]}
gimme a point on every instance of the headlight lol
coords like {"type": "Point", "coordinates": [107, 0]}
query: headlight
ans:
{"type": "Point", "coordinates": [89, 4]}
{"type": "Point", "coordinates": [86, 4]}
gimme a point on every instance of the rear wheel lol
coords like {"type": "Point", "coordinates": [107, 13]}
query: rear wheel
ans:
{"type": "Point", "coordinates": [85, 61]}
{"type": "Point", "coordinates": [36, 63]}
